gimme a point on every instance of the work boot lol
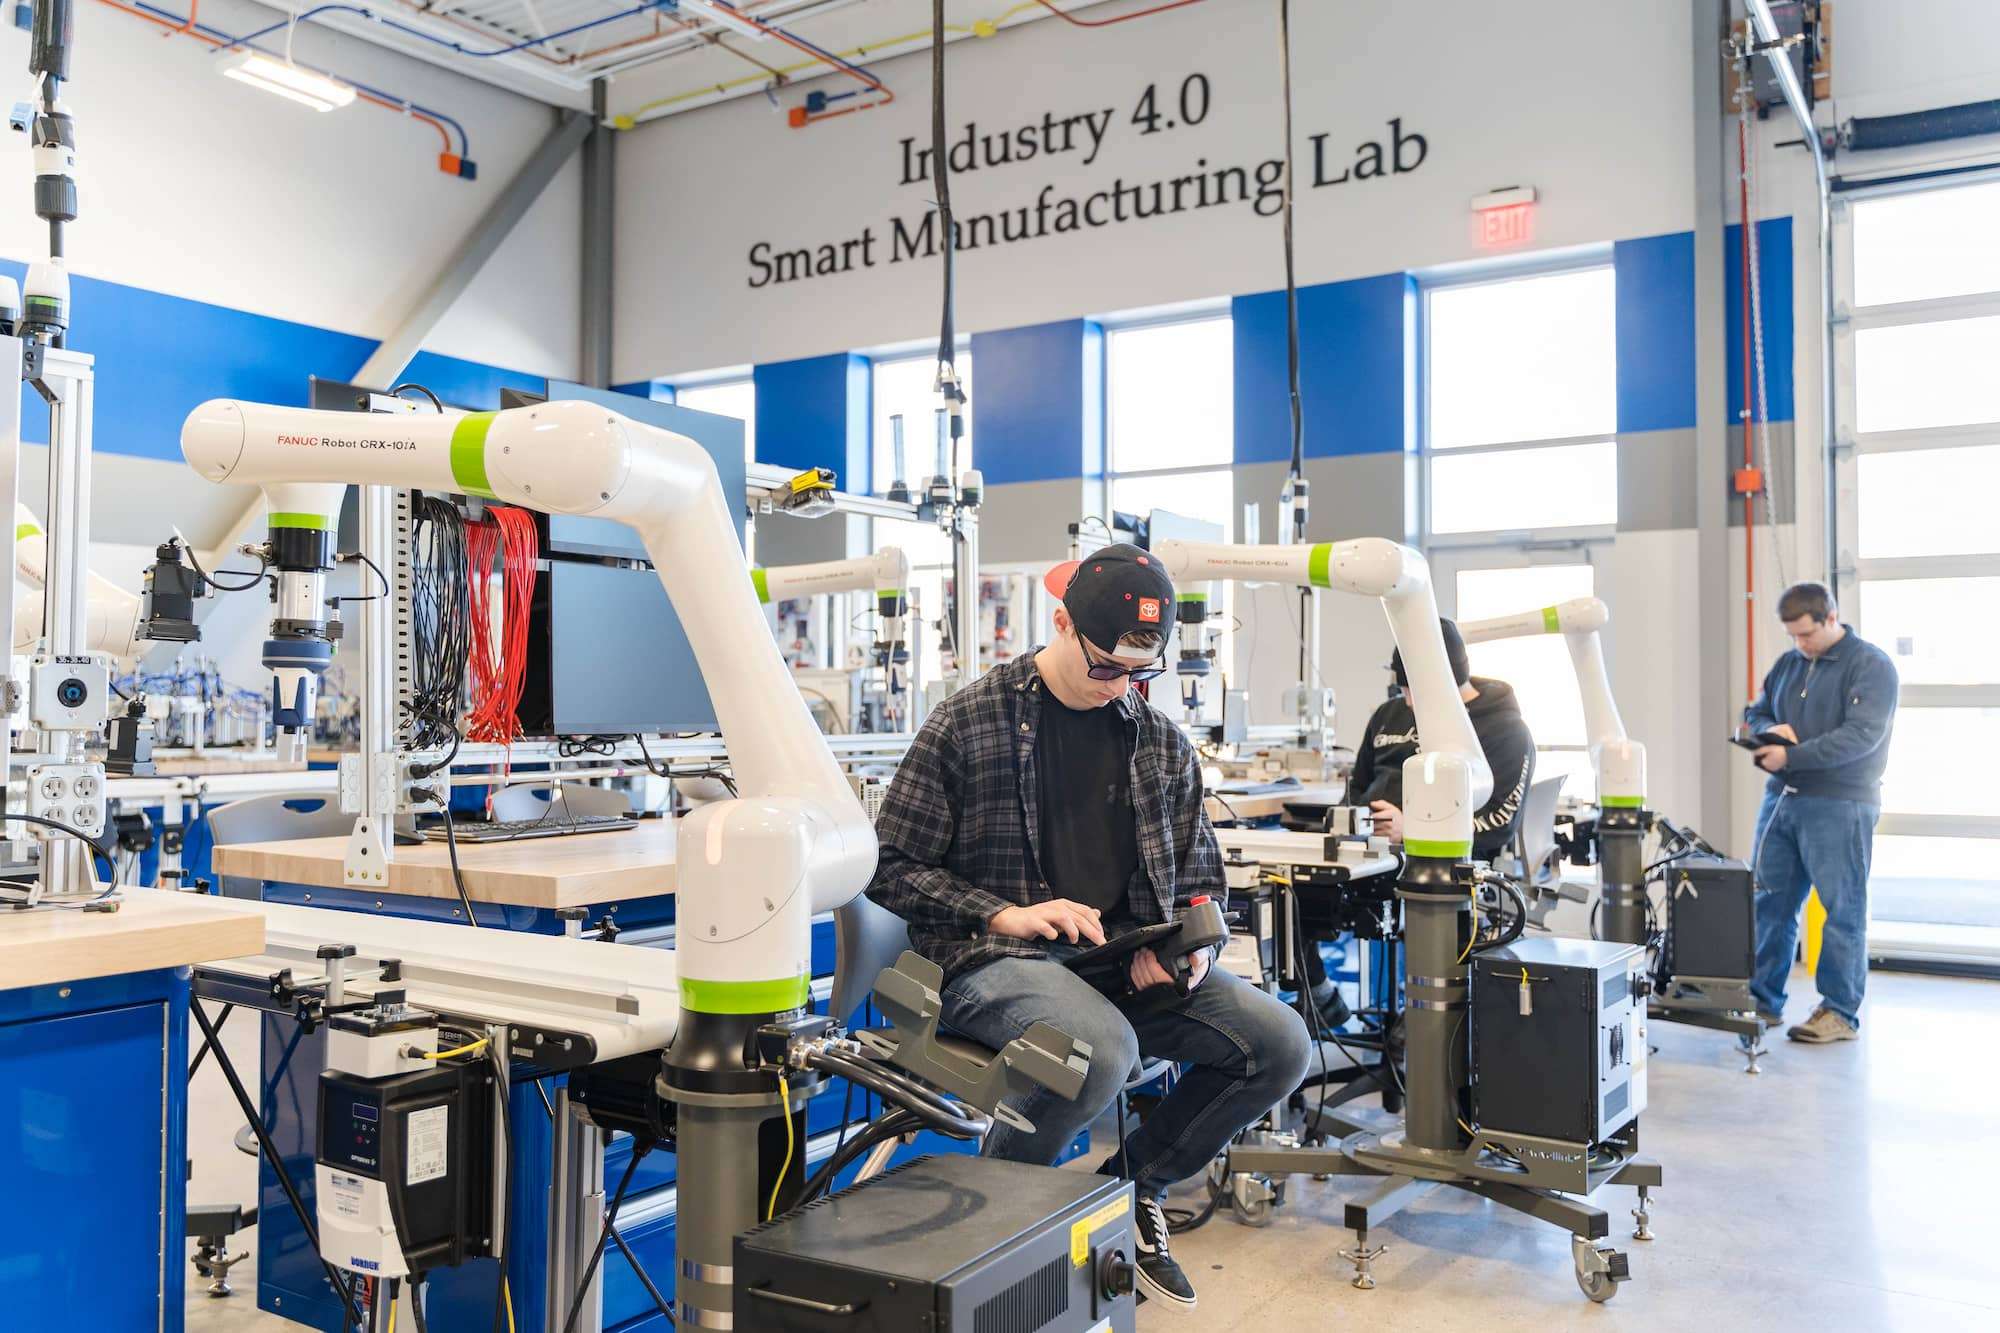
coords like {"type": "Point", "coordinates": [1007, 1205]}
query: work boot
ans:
{"type": "Point", "coordinates": [1824, 1026]}
{"type": "Point", "coordinates": [1770, 1018]}
{"type": "Point", "coordinates": [1160, 1278]}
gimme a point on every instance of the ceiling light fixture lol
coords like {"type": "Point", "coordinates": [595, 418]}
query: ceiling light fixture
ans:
{"type": "Point", "coordinates": [290, 82]}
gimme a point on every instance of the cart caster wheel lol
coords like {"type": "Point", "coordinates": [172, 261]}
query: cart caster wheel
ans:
{"type": "Point", "coordinates": [1598, 1272]}
{"type": "Point", "coordinates": [1257, 1214]}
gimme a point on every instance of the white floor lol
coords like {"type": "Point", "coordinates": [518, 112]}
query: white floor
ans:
{"type": "Point", "coordinates": [1847, 1187]}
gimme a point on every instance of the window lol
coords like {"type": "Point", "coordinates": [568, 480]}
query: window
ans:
{"type": "Point", "coordinates": [906, 387]}
{"type": "Point", "coordinates": [1538, 667]}
{"type": "Point", "coordinates": [726, 398]}
{"type": "Point", "coordinates": [1914, 370]}
{"type": "Point", "coordinates": [1170, 406]}
{"type": "Point", "coordinates": [1521, 403]}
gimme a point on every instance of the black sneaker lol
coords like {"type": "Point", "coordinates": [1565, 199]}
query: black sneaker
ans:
{"type": "Point", "coordinates": [1160, 1278]}
{"type": "Point", "coordinates": [1333, 1010]}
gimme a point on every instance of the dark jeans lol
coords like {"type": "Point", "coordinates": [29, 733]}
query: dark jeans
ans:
{"type": "Point", "coordinates": [1244, 1052]}
{"type": "Point", "coordinates": [1805, 843]}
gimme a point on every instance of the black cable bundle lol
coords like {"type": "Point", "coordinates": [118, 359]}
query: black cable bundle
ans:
{"type": "Point", "coordinates": [441, 623]}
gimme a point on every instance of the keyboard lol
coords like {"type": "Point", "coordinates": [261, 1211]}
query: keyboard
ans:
{"type": "Point", "coordinates": [548, 826]}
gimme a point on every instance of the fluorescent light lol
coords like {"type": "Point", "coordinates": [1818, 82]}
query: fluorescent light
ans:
{"type": "Point", "coordinates": [290, 82]}
{"type": "Point", "coordinates": [724, 13]}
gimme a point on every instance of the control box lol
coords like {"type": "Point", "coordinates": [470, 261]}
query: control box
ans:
{"type": "Point", "coordinates": [947, 1242]}
{"type": "Point", "coordinates": [69, 693]}
{"type": "Point", "coordinates": [1559, 1038]}
{"type": "Point", "coordinates": [404, 1168]}
{"type": "Point", "coordinates": [1711, 919]}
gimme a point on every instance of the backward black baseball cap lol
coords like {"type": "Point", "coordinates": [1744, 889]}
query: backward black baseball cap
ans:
{"type": "Point", "coordinates": [1113, 592]}
{"type": "Point", "coordinates": [1454, 649]}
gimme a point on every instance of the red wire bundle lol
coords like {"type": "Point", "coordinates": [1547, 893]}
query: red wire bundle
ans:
{"type": "Point", "coordinates": [496, 682]}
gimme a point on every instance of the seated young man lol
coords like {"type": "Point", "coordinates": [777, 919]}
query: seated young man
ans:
{"type": "Point", "coordinates": [1046, 808]}
{"type": "Point", "coordinates": [1391, 737]}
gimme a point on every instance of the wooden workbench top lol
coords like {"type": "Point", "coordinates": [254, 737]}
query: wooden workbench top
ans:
{"type": "Point", "coordinates": [152, 928]}
{"type": "Point", "coordinates": [221, 761]}
{"type": "Point", "coordinates": [574, 870]}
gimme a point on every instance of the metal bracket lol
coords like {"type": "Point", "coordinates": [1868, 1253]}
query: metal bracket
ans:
{"type": "Point", "coordinates": [1044, 1056]}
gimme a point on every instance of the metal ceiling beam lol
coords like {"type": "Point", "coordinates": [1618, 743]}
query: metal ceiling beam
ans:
{"type": "Point", "coordinates": [599, 183]}
{"type": "Point", "coordinates": [456, 274]}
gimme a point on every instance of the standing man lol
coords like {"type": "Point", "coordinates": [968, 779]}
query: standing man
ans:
{"type": "Point", "coordinates": [1832, 699]}
{"type": "Point", "coordinates": [1044, 809]}
{"type": "Point", "coordinates": [1377, 780]}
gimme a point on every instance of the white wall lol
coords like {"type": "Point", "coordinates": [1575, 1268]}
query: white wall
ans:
{"type": "Point", "coordinates": [200, 187]}
{"type": "Point", "coordinates": [1588, 103]}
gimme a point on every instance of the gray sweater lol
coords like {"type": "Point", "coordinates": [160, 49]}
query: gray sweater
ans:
{"type": "Point", "coordinates": [1843, 706]}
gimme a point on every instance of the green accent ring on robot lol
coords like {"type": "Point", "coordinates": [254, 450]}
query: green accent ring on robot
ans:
{"type": "Point", "coordinates": [1190, 596]}
{"type": "Point", "coordinates": [1622, 802]}
{"type": "Point", "coordinates": [317, 522]}
{"type": "Point", "coordinates": [1441, 851]}
{"type": "Point", "coordinates": [745, 997]}
{"type": "Point", "coordinates": [1319, 568]}
{"type": "Point", "coordinates": [762, 582]}
{"type": "Point", "coordinates": [23, 531]}
{"type": "Point", "coordinates": [1551, 619]}
{"type": "Point", "coordinates": [468, 454]}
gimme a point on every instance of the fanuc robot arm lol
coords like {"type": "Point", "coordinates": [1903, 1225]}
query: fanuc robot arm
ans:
{"type": "Point", "coordinates": [1448, 779]}
{"type": "Point", "coordinates": [887, 572]}
{"type": "Point", "coordinates": [752, 871]}
{"type": "Point", "coordinates": [1620, 760]}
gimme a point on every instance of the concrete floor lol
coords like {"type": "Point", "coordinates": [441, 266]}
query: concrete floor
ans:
{"type": "Point", "coordinates": [1847, 1187]}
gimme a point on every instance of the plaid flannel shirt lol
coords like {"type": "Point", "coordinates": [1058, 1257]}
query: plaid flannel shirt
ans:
{"type": "Point", "coordinates": [959, 836]}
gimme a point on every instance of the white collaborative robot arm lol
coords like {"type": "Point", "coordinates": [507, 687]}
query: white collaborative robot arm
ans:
{"type": "Point", "coordinates": [1448, 779]}
{"type": "Point", "coordinates": [887, 572]}
{"type": "Point", "coordinates": [113, 624]}
{"type": "Point", "coordinates": [753, 871]}
{"type": "Point", "coordinates": [1620, 760]}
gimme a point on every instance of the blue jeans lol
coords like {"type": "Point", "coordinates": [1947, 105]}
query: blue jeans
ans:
{"type": "Point", "coordinates": [1244, 1052]}
{"type": "Point", "coordinates": [1805, 843]}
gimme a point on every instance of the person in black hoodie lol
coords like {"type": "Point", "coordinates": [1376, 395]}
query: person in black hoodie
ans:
{"type": "Point", "coordinates": [1391, 737]}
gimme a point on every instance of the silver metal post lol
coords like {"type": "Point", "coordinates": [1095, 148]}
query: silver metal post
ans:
{"type": "Point", "coordinates": [10, 498]}
{"type": "Point", "coordinates": [965, 573]}
{"type": "Point", "coordinates": [576, 1210]}
{"type": "Point", "coordinates": [66, 381]}
{"type": "Point", "coordinates": [374, 795]}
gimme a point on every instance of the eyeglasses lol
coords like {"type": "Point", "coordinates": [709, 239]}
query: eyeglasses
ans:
{"type": "Point", "coordinates": [1106, 671]}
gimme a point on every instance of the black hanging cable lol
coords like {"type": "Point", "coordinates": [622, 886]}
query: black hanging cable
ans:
{"type": "Point", "coordinates": [1291, 275]}
{"type": "Point", "coordinates": [397, 392]}
{"type": "Point", "coordinates": [947, 381]}
{"type": "Point", "coordinates": [640, 1147]}
{"type": "Point", "coordinates": [250, 580]}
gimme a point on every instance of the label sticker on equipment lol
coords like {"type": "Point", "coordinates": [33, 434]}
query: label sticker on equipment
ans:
{"type": "Point", "coordinates": [425, 1153]}
{"type": "Point", "coordinates": [346, 1194]}
{"type": "Point", "coordinates": [1080, 1230]}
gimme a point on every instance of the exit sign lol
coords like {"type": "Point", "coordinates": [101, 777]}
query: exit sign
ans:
{"type": "Point", "coordinates": [1504, 218]}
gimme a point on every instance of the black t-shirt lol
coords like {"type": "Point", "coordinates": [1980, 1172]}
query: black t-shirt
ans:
{"type": "Point", "coordinates": [1089, 833]}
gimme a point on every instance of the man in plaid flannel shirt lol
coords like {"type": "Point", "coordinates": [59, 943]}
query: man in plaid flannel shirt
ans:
{"type": "Point", "coordinates": [1043, 808]}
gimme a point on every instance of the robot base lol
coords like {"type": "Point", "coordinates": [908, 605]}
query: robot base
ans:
{"type": "Point", "coordinates": [1538, 1178]}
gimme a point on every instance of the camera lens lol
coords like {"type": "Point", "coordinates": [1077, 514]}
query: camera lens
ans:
{"type": "Point", "coordinates": [72, 692]}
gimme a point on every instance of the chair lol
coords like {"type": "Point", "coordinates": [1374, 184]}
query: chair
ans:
{"type": "Point", "coordinates": [868, 938]}
{"type": "Point", "coordinates": [528, 801]}
{"type": "Point", "coordinates": [1535, 848]}
{"type": "Point", "coordinates": [273, 819]}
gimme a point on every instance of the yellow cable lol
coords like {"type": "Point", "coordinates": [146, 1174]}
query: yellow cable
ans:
{"type": "Point", "coordinates": [862, 50]}
{"type": "Point", "coordinates": [392, 1317]}
{"type": "Point", "coordinates": [466, 1049]}
{"type": "Point", "coordinates": [507, 1297]}
{"type": "Point", "coordinates": [784, 1096]}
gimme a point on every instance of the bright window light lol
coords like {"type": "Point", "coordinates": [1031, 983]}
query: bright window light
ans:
{"type": "Point", "coordinates": [726, 398]}
{"type": "Point", "coordinates": [290, 82]}
{"type": "Point", "coordinates": [1520, 490]}
{"type": "Point", "coordinates": [1916, 247]}
{"type": "Point", "coordinates": [1170, 396]}
{"type": "Point", "coordinates": [906, 387]}
{"type": "Point", "coordinates": [1523, 359]}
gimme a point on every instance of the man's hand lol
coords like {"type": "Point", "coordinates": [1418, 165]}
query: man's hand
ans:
{"type": "Point", "coordinates": [1147, 970]}
{"type": "Point", "coordinates": [1784, 729]}
{"type": "Point", "coordinates": [1059, 918]}
{"type": "Point", "coordinates": [1771, 758]}
{"type": "Point", "coordinates": [1388, 820]}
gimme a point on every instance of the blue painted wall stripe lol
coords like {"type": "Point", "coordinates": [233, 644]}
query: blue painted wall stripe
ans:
{"type": "Point", "coordinates": [159, 356]}
{"type": "Point", "coordinates": [1354, 370]}
{"type": "Point", "coordinates": [1774, 273]}
{"type": "Point", "coordinates": [1040, 404]}
{"type": "Point", "coordinates": [1655, 332]}
{"type": "Point", "coordinates": [814, 412]}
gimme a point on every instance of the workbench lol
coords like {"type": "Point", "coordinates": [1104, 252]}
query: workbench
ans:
{"type": "Point", "coordinates": [1251, 801]}
{"type": "Point", "coordinates": [546, 874]}
{"type": "Point", "coordinates": [93, 1104]}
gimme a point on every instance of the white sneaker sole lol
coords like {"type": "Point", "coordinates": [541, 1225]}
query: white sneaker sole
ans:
{"type": "Point", "coordinates": [1154, 1292]}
